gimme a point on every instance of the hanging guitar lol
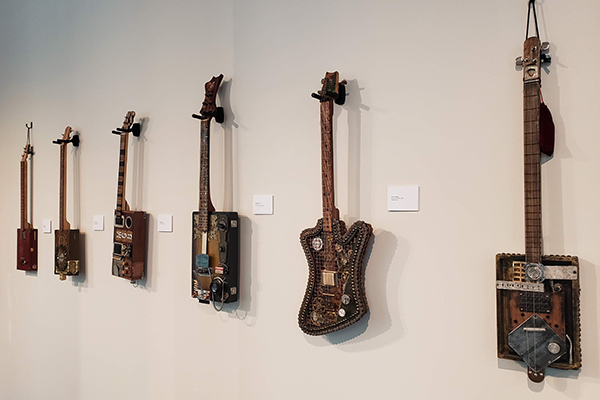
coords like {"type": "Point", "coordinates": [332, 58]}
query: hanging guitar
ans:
{"type": "Point", "coordinates": [335, 295]}
{"type": "Point", "coordinates": [537, 295]}
{"type": "Point", "coordinates": [129, 239]}
{"type": "Point", "coordinates": [215, 243]}
{"type": "Point", "coordinates": [66, 240]}
{"type": "Point", "coordinates": [27, 245]}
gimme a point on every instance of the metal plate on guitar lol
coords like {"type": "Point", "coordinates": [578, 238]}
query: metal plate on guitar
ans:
{"type": "Point", "coordinates": [536, 343]}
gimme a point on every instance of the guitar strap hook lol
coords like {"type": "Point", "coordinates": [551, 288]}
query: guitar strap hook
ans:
{"type": "Point", "coordinates": [531, 6]}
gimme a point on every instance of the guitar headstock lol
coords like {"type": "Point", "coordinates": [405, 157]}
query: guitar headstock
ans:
{"type": "Point", "coordinates": [209, 106]}
{"type": "Point", "coordinates": [128, 121]}
{"type": "Point", "coordinates": [67, 134]}
{"type": "Point", "coordinates": [332, 89]}
{"type": "Point", "coordinates": [535, 54]}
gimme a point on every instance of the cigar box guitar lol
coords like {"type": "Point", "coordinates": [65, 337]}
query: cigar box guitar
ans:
{"type": "Point", "coordinates": [130, 228]}
{"type": "Point", "coordinates": [66, 240]}
{"type": "Point", "coordinates": [215, 234]}
{"type": "Point", "coordinates": [27, 240]}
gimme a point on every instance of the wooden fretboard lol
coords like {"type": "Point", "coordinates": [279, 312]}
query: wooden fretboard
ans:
{"type": "Point", "coordinates": [533, 193]}
{"type": "Point", "coordinates": [205, 205]}
{"type": "Point", "coordinates": [63, 224]}
{"type": "Point", "coordinates": [121, 203]}
{"type": "Point", "coordinates": [24, 223]}
{"type": "Point", "coordinates": [329, 210]}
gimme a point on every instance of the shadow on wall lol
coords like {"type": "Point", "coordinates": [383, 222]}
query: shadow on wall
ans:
{"type": "Point", "coordinates": [354, 106]}
{"type": "Point", "coordinates": [228, 125]}
{"type": "Point", "coordinates": [242, 310]}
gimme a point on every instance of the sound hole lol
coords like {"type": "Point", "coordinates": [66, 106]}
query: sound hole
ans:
{"type": "Point", "coordinates": [128, 222]}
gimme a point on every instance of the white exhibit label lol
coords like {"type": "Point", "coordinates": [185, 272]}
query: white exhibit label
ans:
{"type": "Point", "coordinates": [98, 222]}
{"type": "Point", "coordinates": [165, 222]}
{"type": "Point", "coordinates": [47, 226]}
{"type": "Point", "coordinates": [403, 198]}
{"type": "Point", "coordinates": [263, 205]}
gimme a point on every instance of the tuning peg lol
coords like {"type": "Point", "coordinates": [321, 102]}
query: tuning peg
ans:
{"type": "Point", "coordinates": [519, 61]}
{"type": "Point", "coordinates": [545, 47]}
{"type": "Point", "coordinates": [316, 96]}
{"type": "Point", "coordinates": [545, 58]}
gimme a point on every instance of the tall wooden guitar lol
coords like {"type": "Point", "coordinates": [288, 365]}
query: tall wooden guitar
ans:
{"type": "Point", "coordinates": [27, 240]}
{"type": "Point", "coordinates": [335, 295]}
{"type": "Point", "coordinates": [129, 239]}
{"type": "Point", "coordinates": [537, 295]}
{"type": "Point", "coordinates": [216, 237]}
{"type": "Point", "coordinates": [66, 240]}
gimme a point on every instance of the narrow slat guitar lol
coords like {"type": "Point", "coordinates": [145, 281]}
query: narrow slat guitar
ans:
{"type": "Point", "coordinates": [129, 239]}
{"type": "Point", "coordinates": [537, 295]}
{"type": "Point", "coordinates": [27, 240]}
{"type": "Point", "coordinates": [335, 295]}
{"type": "Point", "coordinates": [215, 234]}
{"type": "Point", "coordinates": [66, 240]}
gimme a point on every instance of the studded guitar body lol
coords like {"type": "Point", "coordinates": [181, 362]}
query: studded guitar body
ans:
{"type": "Point", "coordinates": [335, 295]}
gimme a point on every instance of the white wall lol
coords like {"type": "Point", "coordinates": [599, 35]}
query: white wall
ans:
{"type": "Point", "coordinates": [434, 100]}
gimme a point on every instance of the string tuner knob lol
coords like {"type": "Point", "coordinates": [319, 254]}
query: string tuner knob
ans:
{"type": "Point", "coordinates": [519, 61]}
{"type": "Point", "coordinates": [545, 46]}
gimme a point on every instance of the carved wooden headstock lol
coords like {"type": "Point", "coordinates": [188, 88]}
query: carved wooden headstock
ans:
{"type": "Point", "coordinates": [531, 59]}
{"type": "Point", "coordinates": [332, 89]}
{"type": "Point", "coordinates": [209, 107]}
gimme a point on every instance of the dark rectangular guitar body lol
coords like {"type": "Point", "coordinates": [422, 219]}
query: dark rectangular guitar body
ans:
{"type": "Point", "coordinates": [129, 245]}
{"type": "Point", "coordinates": [557, 305]}
{"type": "Point", "coordinates": [66, 252]}
{"type": "Point", "coordinates": [334, 299]}
{"type": "Point", "coordinates": [223, 267]}
{"type": "Point", "coordinates": [27, 250]}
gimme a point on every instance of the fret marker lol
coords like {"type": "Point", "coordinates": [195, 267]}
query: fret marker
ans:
{"type": "Point", "coordinates": [263, 205]}
{"type": "Point", "coordinates": [403, 198]}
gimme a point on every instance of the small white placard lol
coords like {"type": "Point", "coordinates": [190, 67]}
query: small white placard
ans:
{"type": "Point", "coordinates": [165, 222]}
{"type": "Point", "coordinates": [47, 226]}
{"type": "Point", "coordinates": [263, 205]}
{"type": "Point", "coordinates": [98, 222]}
{"type": "Point", "coordinates": [403, 198]}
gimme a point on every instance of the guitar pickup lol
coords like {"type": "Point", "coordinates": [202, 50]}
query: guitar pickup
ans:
{"type": "Point", "coordinates": [329, 278]}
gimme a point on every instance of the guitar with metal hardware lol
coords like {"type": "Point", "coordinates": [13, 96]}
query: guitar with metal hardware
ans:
{"type": "Point", "coordinates": [129, 240]}
{"type": "Point", "coordinates": [537, 295]}
{"type": "Point", "coordinates": [215, 234]}
{"type": "Point", "coordinates": [27, 245]}
{"type": "Point", "coordinates": [66, 240]}
{"type": "Point", "coordinates": [335, 295]}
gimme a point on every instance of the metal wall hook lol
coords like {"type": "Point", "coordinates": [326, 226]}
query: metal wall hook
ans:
{"type": "Point", "coordinates": [74, 140]}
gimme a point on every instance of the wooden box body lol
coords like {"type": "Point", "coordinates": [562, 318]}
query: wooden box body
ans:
{"type": "Point", "coordinates": [66, 252]}
{"type": "Point", "coordinates": [129, 245]}
{"type": "Point", "coordinates": [223, 252]}
{"type": "Point", "coordinates": [27, 250]}
{"type": "Point", "coordinates": [564, 317]}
